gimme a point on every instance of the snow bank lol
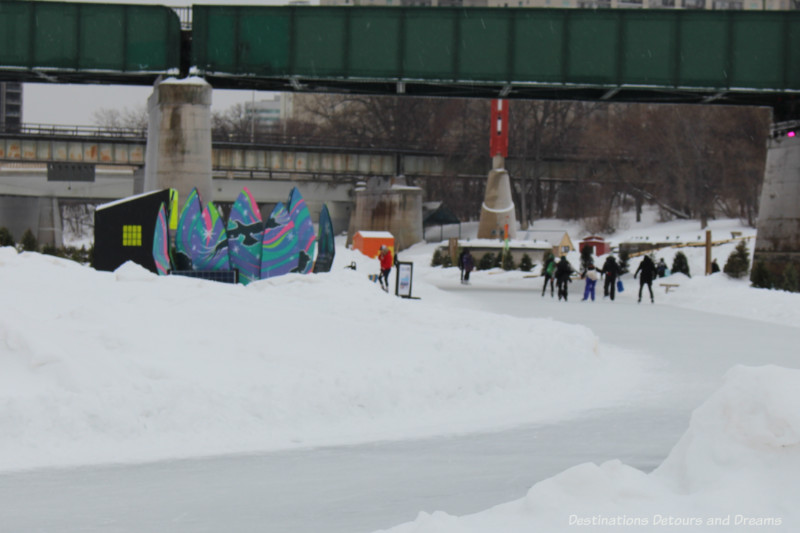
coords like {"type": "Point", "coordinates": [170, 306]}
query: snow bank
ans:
{"type": "Point", "coordinates": [126, 366]}
{"type": "Point", "coordinates": [735, 469]}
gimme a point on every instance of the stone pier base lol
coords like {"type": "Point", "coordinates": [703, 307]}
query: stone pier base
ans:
{"type": "Point", "coordinates": [179, 138]}
{"type": "Point", "coordinates": [498, 207]}
{"type": "Point", "coordinates": [778, 236]}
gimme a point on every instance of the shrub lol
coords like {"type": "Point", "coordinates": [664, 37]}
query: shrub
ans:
{"type": "Point", "coordinates": [28, 242]}
{"type": "Point", "coordinates": [790, 282]}
{"type": "Point", "coordinates": [508, 261]}
{"type": "Point", "coordinates": [498, 260]}
{"type": "Point", "coordinates": [525, 264]}
{"type": "Point", "coordinates": [437, 258]}
{"type": "Point", "coordinates": [680, 264]}
{"type": "Point", "coordinates": [49, 249]}
{"type": "Point", "coordinates": [486, 261]}
{"type": "Point", "coordinates": [5, 237]}
{"type": "Point", "coordinates": [738, 262]}
{"type": "Point", "coordinates": [761, 277]}
{"type": "Point", "coordinates": [447, 261]}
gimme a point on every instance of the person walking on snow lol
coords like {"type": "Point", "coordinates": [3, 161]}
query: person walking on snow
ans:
{"type": "Point", "coordinates": [549, 270]}
{"type": "Point", "coordinates": [466, 263]}
{"type": "Point", "coordinates": [648, 270]}
{"type": "Point", "coordinates": [610, 272]}
{"type": "Point", "coordinates": [385, 257]}
{"type": "Point", "coordinates": [563, 272]}
{"type": "Point", "coordinates": [591, 277]}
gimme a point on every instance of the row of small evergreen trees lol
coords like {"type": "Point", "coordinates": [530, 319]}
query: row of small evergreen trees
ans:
{"type": "Point", "coordinates": [28, 243]}
{"type": "Point", "coordinates": [489, 260]}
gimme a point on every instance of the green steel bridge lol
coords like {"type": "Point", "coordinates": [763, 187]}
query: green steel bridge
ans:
{"type": "Point", "coordinates": [643, 55]}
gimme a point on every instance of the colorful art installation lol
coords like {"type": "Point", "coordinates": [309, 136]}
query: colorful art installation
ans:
{"type": "Point", "coordinates": [326, 249]}
{"type": "Point", "coordinates": [306, 237]}
{"type": "Point", "coordinates": [245, 229]}
{"type": "Point", "coordinates": [186, 236]}
{"type": "Point", "coordinates": [161, 243]}
{"type": "Point", "coordinates": [204, 244]}
{"type": "Point", "coordinates": [279, 247]}
{"type": "Point", "coordinates": [212, 252]}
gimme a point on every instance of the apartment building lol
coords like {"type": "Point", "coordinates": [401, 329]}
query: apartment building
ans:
{"type": "Point", "coordinates": [10, 106]}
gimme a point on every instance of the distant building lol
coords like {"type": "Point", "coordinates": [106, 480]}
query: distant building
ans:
{"type": "Point", "coordinates": [269, 113]}
{"type": "Point", "coordinates": [10, 106]}
{"type": "Point", "coordinates": [558, 239]}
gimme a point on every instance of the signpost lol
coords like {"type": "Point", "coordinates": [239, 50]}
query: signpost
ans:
{"type": "Point", "coordinates": [405, 276]}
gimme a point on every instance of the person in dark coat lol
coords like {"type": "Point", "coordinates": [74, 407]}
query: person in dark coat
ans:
{"type": "Point", "coordinates": [648, 271]}
{"type": "Point", "coordinates": [467, 263]}
{"type": "Point", "coordinates": [563, 272]}
{"type": "Point", "coordinates": [610, 271]}
{"type": "Point", "coordinates": [549, 270]}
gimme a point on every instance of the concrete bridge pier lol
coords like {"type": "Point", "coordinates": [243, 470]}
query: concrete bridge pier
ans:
{"type": "Point", "coordinates": [498, 206]}
{"type": "Point", "coordinates": [778, 237]}
{"type": "Point", "coordinates": [178, 153]}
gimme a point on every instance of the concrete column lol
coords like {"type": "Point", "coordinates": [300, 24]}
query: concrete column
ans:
{"type": "Point", "coordinates": [778, 236]}
{"type": "Point", "coordinates": [179, 138]}
{"type": "Point", "coordinates": [498, 207]}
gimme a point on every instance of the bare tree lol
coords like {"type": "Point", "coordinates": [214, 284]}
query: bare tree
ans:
{"type": "Point", "coordinates": [131, 119]}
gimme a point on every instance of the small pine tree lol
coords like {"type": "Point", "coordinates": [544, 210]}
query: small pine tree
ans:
{"type": "Point", "coordinates": [447, 261]}
{"type": "Point", "coordinates": [508, 261]}
{"type": "Point", "coordinates": [624, 258]}
{"type": "Point", "coordinates": [738, 262]}
{"type": "Point", "coordinates": [28, 242]}
{"type": "Point", "coordinates": [586, 257]}
{"type": "Point", "coordinates": [486, 261]}
{"type": "Point", "coordinates": [790, 281]}
{"type": "Point", "coordinates": [525, 264]}
{"type": "Point", "coordinates": [498, 260]}
{"type": "Point", "coordinates": [5, 237]}
{"type": "Point", "coordinates": [437, 258]}
{"type": "Point", "coordinates": [49, 249]}
{"type": "Point", "coordinates": [680, 264]}
{"type": "Point", "coordinates": [761, 277]}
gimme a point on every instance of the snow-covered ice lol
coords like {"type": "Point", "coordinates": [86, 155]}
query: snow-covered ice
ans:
{"type": "Point", "coordinates": [123, 367]}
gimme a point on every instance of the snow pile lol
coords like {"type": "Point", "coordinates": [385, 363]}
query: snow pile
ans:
{"type": "Point", "coordinates": [127, 366]}
{"type": "Point", "coordinates": [735, 469]}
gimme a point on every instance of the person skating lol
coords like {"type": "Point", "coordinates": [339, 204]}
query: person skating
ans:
{"type": "Point", "coordinates": [385, 257]}
{"type": "Point", "coordinates": [563, 272]}
{"type": "Point", "coordinates": [648, 270]}
{"type": "Point", "coordinates": [467, 263]}
{"type": "Point", "coordinates": [610, 272]}
{"type": "Point", "coordinates": [549, 270]}
{"type": "Point", "coordinates": [661, 268]}
{"type": "Point", "coordinates": [591, 276]}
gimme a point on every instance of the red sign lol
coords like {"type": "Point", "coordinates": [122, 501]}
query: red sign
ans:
{"type": "Point", "coordinates": [498, 143]}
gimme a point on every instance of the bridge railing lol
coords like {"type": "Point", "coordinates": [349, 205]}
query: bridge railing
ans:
{"type": "Point", "coordinates": [52, 130]}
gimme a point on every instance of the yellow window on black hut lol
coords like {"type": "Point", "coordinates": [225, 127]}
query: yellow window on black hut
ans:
{"type": "Point", "coordinates": [131, 235]}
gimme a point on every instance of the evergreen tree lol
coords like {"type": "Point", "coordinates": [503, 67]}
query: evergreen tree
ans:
{"type": "Point", "coordinates": [738, 262]}
{"type": "Point", "coordinates": [28, 242]}
{"type": "Point", "coordinates": [761, 277]}
{"type": "Point", "coordinates": [437, 258]}
{"type": "Point", "coordinates": [5, 237]}
{"type": "Point", "coordinates": [486, 262]}
{"type": "Point", "coordinates": [508, 261]}
{"type": "Point", "coordinates": [680, 264]}
{"type": "Point", "coordinates": [790, 280]}
{"type": "Point", "coordinates": [498, 260]}
{"type": "Point", "coordinates": [624, 257]}
{"type": "Point", "coordinates": [525, 264]}
{"type": "Point", "coordinates": [447, 261]}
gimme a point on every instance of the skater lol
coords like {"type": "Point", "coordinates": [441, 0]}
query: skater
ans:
{"type": "Point", "coordinates": [661, 268]}
{"type": "Point", "coordinates": [467, 263]}
{"type": "Point", "coordinates": [648, 270]}
{"type": "Point", "coordinates": [385, 257]}
{"type": "Point", "coordinates": [563, 272]}
{"type": "Point", "coordinates": [591, 276]}
{"type": "Point", "coordinates": [610, 273]}
{"type": "Point", "coordinates": [549, 270]}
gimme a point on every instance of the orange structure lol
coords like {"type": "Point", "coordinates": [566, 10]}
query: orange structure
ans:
{"type": "Point", "coordinates": [369, 242]}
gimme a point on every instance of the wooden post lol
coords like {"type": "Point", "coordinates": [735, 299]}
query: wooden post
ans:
{"type": "Point", "coordinates": [453, 245]}
{"type": "Point", "coordinates": [708, 252]}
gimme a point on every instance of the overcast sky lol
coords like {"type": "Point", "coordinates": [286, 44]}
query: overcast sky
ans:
{"type": "Point", "coordinates": [75, 105]}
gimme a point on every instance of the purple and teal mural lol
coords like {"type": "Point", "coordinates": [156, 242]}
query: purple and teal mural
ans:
{"type": "Point", "coordinates": [285, 243]}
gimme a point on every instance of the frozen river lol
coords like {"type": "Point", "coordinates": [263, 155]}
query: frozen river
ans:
{"type": "Point", "coordinates": [359, 489]}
